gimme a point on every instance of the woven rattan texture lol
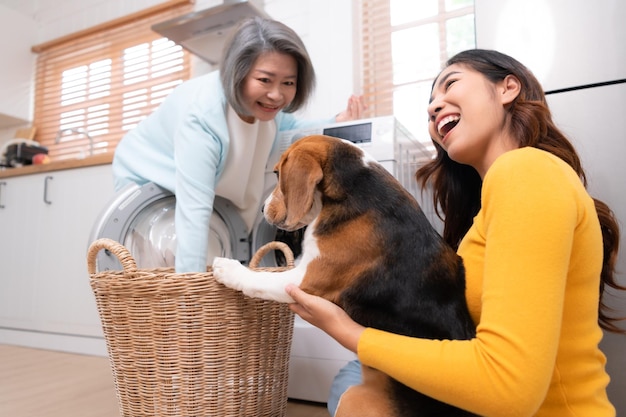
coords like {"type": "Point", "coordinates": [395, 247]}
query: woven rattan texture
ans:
{"type": "Point", "coordinates": [185, 345]}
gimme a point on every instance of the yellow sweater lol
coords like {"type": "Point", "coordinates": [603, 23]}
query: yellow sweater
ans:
{"type": "Point", "coordinates": [533, 258]}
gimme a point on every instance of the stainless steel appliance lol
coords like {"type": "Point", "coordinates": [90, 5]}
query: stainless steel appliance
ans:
{"type": "Point", "coordinates": [586, 87]}
{"type": "Point", "coordinates": [204, 32]}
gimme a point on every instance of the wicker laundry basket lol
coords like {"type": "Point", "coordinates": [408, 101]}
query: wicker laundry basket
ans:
{"type": "Point", "coordinates": [185, 345]}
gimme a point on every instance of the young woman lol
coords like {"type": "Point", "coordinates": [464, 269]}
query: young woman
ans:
{"type": "Point", "coordinates": [218, 129]}
{"type": "Point", "coordinates": [538, 251]}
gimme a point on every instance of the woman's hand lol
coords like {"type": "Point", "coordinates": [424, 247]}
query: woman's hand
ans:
{"type": "Point", "coordinates": [356, 108]}
{"type": "Point", "coordinates": [327, 316]}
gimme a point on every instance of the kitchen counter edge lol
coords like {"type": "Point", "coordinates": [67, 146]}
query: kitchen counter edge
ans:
{"type": "Point", "coordinates": [101, 159]}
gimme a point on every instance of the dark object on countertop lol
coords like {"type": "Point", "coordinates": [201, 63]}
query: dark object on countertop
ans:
{"type": "Point", "coordinates": [22, 154]}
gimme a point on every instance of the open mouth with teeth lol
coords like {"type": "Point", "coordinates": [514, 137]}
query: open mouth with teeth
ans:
{"type": "Point", "coordinates": [267, 106]}
{"type": "Point", "coordinates": [447, 124]}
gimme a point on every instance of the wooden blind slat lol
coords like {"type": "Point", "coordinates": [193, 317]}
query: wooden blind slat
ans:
{"type": "Point", "coordinates": [96, 97]}
{"type": "Point", "coordinates": [376, 57]}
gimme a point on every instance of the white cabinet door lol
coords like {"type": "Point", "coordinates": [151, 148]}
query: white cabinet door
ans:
{"type": "Point", "coordinates": [19, 204]}
{"type": "Point", "coordinates": [63, 300]}
{"type": "Point", "coordinates": [45, 284]}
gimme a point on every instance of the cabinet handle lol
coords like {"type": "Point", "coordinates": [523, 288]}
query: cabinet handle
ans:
{"type": "Point", "coordinates": [45, 190]}
{"type": "Point", "coordinates": [1, 184]}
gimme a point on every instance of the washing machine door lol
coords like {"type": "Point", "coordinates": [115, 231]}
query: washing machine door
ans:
{"type": "Point", "coordinates": [142, 219]}
{"type": "Point", "coordinates": [263, 232]}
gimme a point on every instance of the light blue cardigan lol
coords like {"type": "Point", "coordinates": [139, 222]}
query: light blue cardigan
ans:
{"type": "Point", "coordinates": [182, 147]}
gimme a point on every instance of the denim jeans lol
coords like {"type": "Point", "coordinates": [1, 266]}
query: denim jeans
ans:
{"type": "Point", "coordinates": [349, 375]}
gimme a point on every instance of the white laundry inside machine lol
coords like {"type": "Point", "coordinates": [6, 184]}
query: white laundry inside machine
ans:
{"type": "Point", "coordinates": [142, 219]}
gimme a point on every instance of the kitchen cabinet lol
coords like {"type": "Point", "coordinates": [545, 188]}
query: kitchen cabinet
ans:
{"type": "Point", "coordinates": [17, 211]}
{"type": "Point", "coordinates": [46, 219]}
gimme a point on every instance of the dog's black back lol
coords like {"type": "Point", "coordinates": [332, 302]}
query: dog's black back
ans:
{"type": "Point", "coordinates": [418, 288]}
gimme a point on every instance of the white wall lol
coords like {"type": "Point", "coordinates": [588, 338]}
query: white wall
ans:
{"type": "Point", "coordinates": [327, 31]}
{"type": "Point", "coordinates": [324, 25]}
{"type": "Point", "coordinates": [51, 19]}
{"type": "Point", "coordinates": [18, 33]}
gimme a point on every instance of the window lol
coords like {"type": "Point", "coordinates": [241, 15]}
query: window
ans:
{"type": "Point", "coordinates": [404, 45]}
{"type": "Point", "coordinates": [101, 82]}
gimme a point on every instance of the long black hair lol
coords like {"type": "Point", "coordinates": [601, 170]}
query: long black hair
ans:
{"type": "Point", "coordinates": [457, 187]}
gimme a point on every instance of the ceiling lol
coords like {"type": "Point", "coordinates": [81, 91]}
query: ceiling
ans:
{"type": "Point", "coordinates": [27, 7]}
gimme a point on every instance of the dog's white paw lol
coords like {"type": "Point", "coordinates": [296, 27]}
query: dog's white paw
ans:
{"type": "Point", "coordinates": [256, 284]}
{"type": "Point", "coordinates": [229, 272]}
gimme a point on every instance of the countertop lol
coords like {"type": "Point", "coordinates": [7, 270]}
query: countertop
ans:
{"type": "Point", "coordinates": [101, 159]}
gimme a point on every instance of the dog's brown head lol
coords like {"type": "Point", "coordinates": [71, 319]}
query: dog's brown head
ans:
{"type": "Point", "coordinates": [296, 199]}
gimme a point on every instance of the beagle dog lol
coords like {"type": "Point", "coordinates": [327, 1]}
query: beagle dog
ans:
{"type": "Point", "coordinates": [370, 249]}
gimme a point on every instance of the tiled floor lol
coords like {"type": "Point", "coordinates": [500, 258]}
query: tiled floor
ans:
{"type": "Point", "coordinates": [41, 383]}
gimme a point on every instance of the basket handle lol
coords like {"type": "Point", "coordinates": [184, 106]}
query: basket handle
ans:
{"type": "Point", "coordinates": [119, 250]}
{"type": "Point", "coordinates": [275, 245]}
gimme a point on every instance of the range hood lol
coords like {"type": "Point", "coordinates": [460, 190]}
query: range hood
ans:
{"type": "Point", "coordinates": [204, 32]}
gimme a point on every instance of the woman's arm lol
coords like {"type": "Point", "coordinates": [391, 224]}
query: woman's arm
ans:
{"type": "Point", "coordinates": [507, 368]}
{"type": "Point", "coordinates": [354, 110]}
{"type": "Point", "coordinates": [200, 148]}
{"type": "Point", "coordinates": [327, 316]}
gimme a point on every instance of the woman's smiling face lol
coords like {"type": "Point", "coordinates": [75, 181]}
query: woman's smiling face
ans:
{"type": "Point", "coordinates": [467, 116]}
{"type": "Point", "coordinates": [269, 86]}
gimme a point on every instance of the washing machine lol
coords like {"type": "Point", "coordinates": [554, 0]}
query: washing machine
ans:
{"type": "Point", "coordinates": [315, 357]}
{"type": "Point", "coordinates": [142, 219]}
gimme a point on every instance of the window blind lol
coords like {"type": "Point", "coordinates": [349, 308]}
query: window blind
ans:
{"type": "Point", "coordinates": [403, 46]}
{"type": "Point", "coordinates": [376, 61]}
{"type": "Point", "coordinates": [101, 82]}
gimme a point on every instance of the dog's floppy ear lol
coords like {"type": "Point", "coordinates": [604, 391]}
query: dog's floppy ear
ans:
{"type": "Point", "coordinates": [299, 176]}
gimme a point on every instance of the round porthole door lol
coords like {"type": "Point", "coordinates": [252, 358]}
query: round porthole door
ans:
{"type": "Point", "coordinates": [142, 219]}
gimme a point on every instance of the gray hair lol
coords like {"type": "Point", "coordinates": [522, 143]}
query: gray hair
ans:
{"type": "Point", "coordinates": [254, 37]}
